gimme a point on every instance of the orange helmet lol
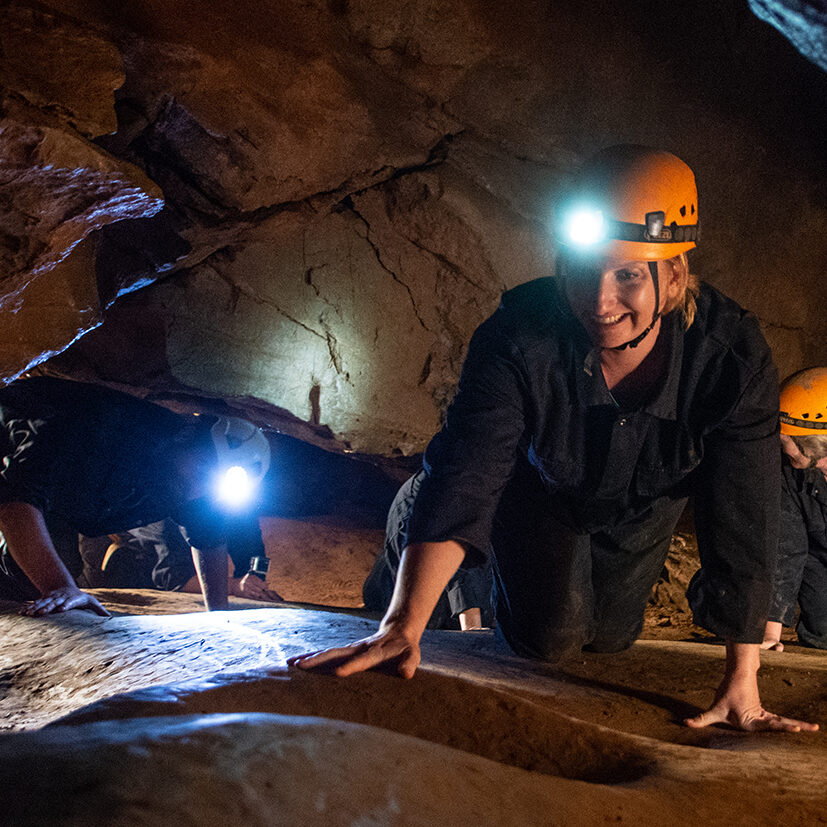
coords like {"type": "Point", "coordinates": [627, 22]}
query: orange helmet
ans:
{"type": "Point", "coordinates": [637, 203]}
{"type": "Point", "coordinates": [804, 403]}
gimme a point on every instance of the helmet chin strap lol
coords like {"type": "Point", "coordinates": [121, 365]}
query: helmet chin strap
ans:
{"type": "Point", "coordinates": [633, 343]}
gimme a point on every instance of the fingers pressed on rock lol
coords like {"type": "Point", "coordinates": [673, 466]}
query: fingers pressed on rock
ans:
{"type": "Point", "coordinates": [295, 660]}
{"type": "Point", "coordinates": [407, 670]}
{"type": "Point", "coordinates": [358, 663]}
{"type": "Point", "coordinates": [792, 725]}
{"type": "Point", "coordinates": [323, 657]}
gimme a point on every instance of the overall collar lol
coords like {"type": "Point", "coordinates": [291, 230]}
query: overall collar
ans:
{"type": "Point", "coordinates": [663, 403]}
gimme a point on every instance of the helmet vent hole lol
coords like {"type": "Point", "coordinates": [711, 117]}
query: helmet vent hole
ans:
{"type": "Point", "coordinates": [805, 416]}
{"type": "Point", "coordinates": [692, 209]}
{"type": "Point", "coordinates": [818, 416]}
{"type": "Point", "coordinates": [683, 211]}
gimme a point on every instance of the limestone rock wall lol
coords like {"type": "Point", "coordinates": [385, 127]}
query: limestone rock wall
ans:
{"type": "Point", "coordinates": [349, 186]}
{"type": "Point", "coordinates": [57, 83]}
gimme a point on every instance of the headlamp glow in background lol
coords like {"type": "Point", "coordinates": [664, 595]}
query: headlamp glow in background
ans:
{"type": "Point", "coordinates": [585, 226]}
{"type": "Point", "coordinates": [234, 486]}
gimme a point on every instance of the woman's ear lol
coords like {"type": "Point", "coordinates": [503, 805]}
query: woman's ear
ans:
{"type": "Point", "coordinates": [675, 274]}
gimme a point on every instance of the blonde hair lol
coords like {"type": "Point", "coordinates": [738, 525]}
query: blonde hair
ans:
{"type": "Point", "coordinates": [689, 286]}
{"type": "Point", "coordinates": [813, 447]}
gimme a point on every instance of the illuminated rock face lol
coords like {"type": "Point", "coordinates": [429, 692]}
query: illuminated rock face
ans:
{"type": "Point", "coordinates": [803, 24]}
{"type": "Point", "coordinates": [57, 81]}
{"type": "Point", "coordinates": [350, 187]}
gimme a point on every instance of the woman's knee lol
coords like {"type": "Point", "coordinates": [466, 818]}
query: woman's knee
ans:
{"type": "Point", "coordinates": [547, 645]}
{"type": "Point", "coordinates": [812, 629]}
{"type": "Point", "coordinates": [611, 643]}
{"type": "Point", "coordinates": [616, 635]}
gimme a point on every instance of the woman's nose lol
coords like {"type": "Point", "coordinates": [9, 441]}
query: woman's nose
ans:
{"type": "Point", "coordinates": [605, 294]}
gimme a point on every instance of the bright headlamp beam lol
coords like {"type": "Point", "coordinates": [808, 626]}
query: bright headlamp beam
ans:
{"type": "Point", "coordinates": [585, 227]}
{"type": "Point", "coordinates": [234, 486]}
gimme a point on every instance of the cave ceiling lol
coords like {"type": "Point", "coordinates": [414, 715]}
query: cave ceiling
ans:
{"type": "Point", "coordinates": [303, 209]}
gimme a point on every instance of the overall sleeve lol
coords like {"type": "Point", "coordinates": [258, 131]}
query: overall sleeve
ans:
{"type": "Point", "coordinates": [202, 525]}
{"type": "Point", "coordinates": [469, 462]}
{"type": "Point", "coordinates": [736, 513]}
{"type": "Point", "coordinates": [244, 541]}
{"type": "Point", "coordinates": [793, 546]}
{"type": "Point", "coordinates": [29, 448]}
{"type": "Point", "coordinates": [173, 567]}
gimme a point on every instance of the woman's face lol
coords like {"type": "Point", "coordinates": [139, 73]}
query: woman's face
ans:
{"type": "Point", "coordinates": [798, 459]}
{"type": "Point", "coordinates": [613, 300]}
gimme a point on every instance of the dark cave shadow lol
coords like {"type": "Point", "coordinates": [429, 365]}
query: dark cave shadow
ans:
{"type": "Point", "coordinates": [678, 709]}
{"type": "Point", "coordinates": [676, 663]}
{"type": "Point", "coordinates": [719, 736]}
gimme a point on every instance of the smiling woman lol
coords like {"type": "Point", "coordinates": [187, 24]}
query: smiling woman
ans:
{"type": "Point", "coordinates": [588, 410]}
{"type": "Point", "coordinates": [614, 301]}
{"type": "Point", "coordinates": [619, 303]}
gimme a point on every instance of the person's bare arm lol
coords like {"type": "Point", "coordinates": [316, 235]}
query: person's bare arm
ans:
{"type": "Point", "coordinates": [424, 571]}
{"type": "Point", "coordinates": [213, 572]}
{"type": "Point", "coordinates": [470, 619]}
{"type": "Point", "coordinates": [737, 701]}
{"type": "Point", "coordinates": [31, 547]}
{"type": "Point", "coordinates": [250, 586]}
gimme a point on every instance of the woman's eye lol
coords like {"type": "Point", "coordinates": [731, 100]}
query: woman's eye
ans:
{"type": "Point", "coordinates": [626, 275]}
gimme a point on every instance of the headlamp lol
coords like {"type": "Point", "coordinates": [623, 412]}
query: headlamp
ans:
{"type": "Point", "coordinates": [585, 226]}
{"type": "Point", "coordinates": [243, 455]}
{"type": "Point", "coordinates": [654, 224]}
{"type": "Point", "coordinates": [234, 488]}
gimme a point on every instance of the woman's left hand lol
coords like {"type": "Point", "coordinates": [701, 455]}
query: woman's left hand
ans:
{"type": "Point", "coordinates": [738, 704]}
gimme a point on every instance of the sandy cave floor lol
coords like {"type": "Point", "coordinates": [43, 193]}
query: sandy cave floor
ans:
{"type": "Point", "coordinates": [597, 739]}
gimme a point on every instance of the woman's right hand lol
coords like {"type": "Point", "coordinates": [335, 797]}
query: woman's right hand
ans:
{"type": "Point", "coordinates": [424, 571]}
{"type": "Point", "coordinates": [390, 645]}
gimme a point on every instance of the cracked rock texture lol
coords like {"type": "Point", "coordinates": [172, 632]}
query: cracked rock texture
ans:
{"type": "Point", "coordinates": [349, 186]}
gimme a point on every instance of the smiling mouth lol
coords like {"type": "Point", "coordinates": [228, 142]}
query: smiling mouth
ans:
{"type": "Point", "coordinates": [605, 321]}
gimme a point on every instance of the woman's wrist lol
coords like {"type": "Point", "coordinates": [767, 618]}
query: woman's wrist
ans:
{"type": "Point", "coordinates": [401, 622]}
{"type": "Point", "coordinates": [742, 659]}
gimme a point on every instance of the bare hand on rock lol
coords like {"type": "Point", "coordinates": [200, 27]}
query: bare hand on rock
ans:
{"type": "Point", "coordinates": [388, 646]}
{"type": "Point", "coordinates": [62, 600]}
{"type": "Point", "coordinates": [738, 704]}
{"type": "Point", "coordinates": [253, 588]}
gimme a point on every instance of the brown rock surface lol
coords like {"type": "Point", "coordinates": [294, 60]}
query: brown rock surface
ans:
{"type": "Point", "coordinates": [57, 80]}
{"type": "Point", "coordinates": [60, 66]}
{"type": "Point", "coordinates": [477, 733]}
{"type": "Point", "coordinates": [349, 187]}
{"type": "Point", "coordinates": [55, 189]}
{"type": "Point", "coordinates": [341, 558]}
{"type": "Point", "coordinates": [158, 716]}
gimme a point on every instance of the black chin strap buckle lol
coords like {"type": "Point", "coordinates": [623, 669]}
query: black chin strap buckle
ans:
{"type": "Point", "coordinates": [633, 343]}
{"type": "Point", "coordinates": [639, 338]}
